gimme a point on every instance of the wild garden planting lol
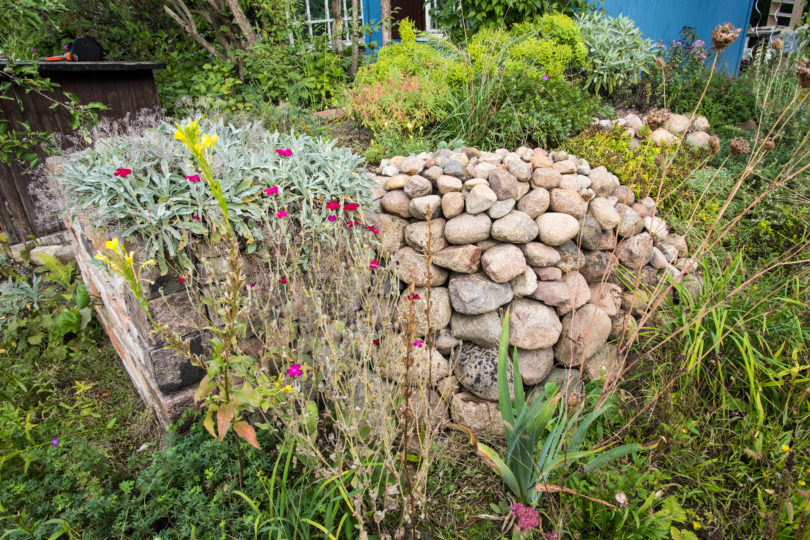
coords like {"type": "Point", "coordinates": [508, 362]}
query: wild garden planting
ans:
{"type": "Point", "coordinates": [537, 276]}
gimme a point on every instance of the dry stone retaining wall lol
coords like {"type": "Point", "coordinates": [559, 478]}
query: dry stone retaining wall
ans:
{"type": "Point", "coordinates": [544, 235]}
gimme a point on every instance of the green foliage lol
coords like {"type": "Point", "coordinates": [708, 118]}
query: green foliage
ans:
{"type": "Point", "coordinates": [461, 19]}
{"type": "Point", "coordinates": [157, 203]}
{"type": "Point", "coordinates": [638, 168]}
{"type": "Point", "coordinates": [504, 89]}
{"type": "Point", "coordinates": [541, 439]}
{"type": "Point", "coordinates": [617, 54]}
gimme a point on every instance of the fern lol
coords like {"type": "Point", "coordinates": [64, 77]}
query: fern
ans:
{"type": "Point", "coordinates": [57, 271]}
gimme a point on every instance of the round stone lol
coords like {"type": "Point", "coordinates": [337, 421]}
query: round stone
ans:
{"type": "Point", "coordinates": [533, 325]}
{"type": "Point", "coordinates": [556, 229]}
{"type": "Point", "coordinates": [516, 227]}
{"type": "Point", "coordinates": [534, 202]}
{"type": "Point", "coordinates": [467, 229]}
{"type": "Point", "coordinates": [503, 263]}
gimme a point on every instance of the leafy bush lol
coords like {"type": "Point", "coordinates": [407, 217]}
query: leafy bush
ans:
{"type": "Point", "coordinates": [617, 53]}
{"type": "Point", "coordinates": [460, 20]}
{"type": "Point", "coordinates": [157, 203]}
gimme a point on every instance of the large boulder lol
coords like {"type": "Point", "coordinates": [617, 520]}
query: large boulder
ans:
{"type": "Point", "coordinates": [477, 371]}
{"type": "Point", "coordinates": [604, 212]}
{"type": "Point", "coordinates": [418, 235]}
{"type": "Point", "coordinates": [422, 207]}
{"type": "Point", "coordinates": [483, 330]}
{"type": "Point", "coordinates": [452, 204]}
{"type": "Point", "coordinates": [417, 186]}
{"type": "Point", "coordinates": [535, 202]}
{"type": "Point", "coordinates": [426, 323]}
{"type": "Point", "coordinates": [556, 229]}
{"type": "Point", "coordinates": [503, 184]}
{"type": "Point", "coordinates": [463, 259]}
{"type": "Point", "coordinates": [473, 294]}
{"type": "Point", "coordinates": [578, 292]}
{"type": "Point", "coordinates": [535, 365]}
{"type": "Point", "coordinates": [480, 417]}
{"type": "Point", "coordinates": [546, 178]}
{"type": "Point", "coordinates": [516, 227]}
{"type": "Point", "coordinates": [541, 255]}
{"type": "Point", "coordinates": [636, 251]}
{"type": "Point", "coordinates": [397, 203]}
{"type": "Point", "coordinates": [392, 232]}
{"type": "Point", "coordinates": [413, 269]}
{"type": "Point", "coordinates": [533, 325]}
{"type": "Point", "coordinates": [603, 183]}
{"type": "Point", "coordinates": [584, 331]}
{"type": "Point", "coordinates": [567, 201]}
{"type": "Point", "coordinates": [467, 229]}
{"type": "Point", "coordinates": [503, 263]}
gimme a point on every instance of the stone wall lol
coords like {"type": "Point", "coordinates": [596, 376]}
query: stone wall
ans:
{"type": "Point", "coordinates": [543, 235]}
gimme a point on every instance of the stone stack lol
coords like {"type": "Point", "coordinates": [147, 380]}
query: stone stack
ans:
{"type": "Point", "coordinates": [544, 235]}
{"type": "Point", "coordinates": [662, 127]}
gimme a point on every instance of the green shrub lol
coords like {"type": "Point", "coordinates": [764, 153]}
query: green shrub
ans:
{"type": "Point", "coordinates": [617, 54]}
{"type": "Point", "coordinates": [461, 20]}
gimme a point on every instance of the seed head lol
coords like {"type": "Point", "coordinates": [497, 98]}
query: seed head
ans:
{"type": "Point", "coordinates": [740, 146]}
{"type": "Point", "coordinates": [803, 72]}
{"type": "Point", "coordinates": [768, 145]}
{"type": "Point", "coordinates": [660, 62]}
{"type": "Point", "coordinates": [777, 44]}
{"type": "Point", "coordinates": [657, 118]}
{"type": "Point", "coordinates": [714, 144]}
{"type": "Point", "coordinates": [659, 160]}
{"type": "Point", "coordinates": [724, 35]}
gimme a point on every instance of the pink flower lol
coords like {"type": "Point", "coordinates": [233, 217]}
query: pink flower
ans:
{"type": "Point", "coordinates": [332, 218]}
{"type": "Point", "coordinates": [271, 190]}
{"type": "Point", "coordinates": [545, 77]}
{"type": "Point", "coordinates": [195, 217]}
{"type": "Point", "coordinates": [285, 152]}
{"type": "Point", "coordinates": [193, 178]}
{"type": "Point", "coordinates": [351, 207]}
{"type": "Point", "coordinates": [181, 279]}
{"type": "Point", "coordinates": [251, 285]}
{"type": "Point", "coordinates": [373, 265]}
{"type": "Point", "coordinates": [373, 229]}
{"type": "Point", "coordinates": [294, 371]}
{"type": "Point", "coordinates": [282, 280]}
{"type": "Point", "coordinates": [527, 517]}
{"type": "Point", "coordinates": [351, 224]}
{"type": "Point", "coordinates": [281, 214]}
{"type": "Point", "coordinates": [334, 205]}
{"type": "Point", "coordinates": [376, 342]}
{"type": "Point", "coordinates": [418, 343]}
{"type": "Point", "coordinates": [54, 441]}
{"type": "Point", "coordinates": [122, 172]}
{"type": "Point", "coordinates": [414, 296]}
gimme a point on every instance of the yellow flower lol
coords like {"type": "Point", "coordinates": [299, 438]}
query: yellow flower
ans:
{"type": "Point", "coordinates": [801, 483]}
{"type": "Point", "coordinates": [695, 525]}
{"type": "Point", "coordinates": [785, 448]}
{"type": "Point", "coordinates": [150, 262]}
{"type": "Point", "coordinates": [112, 244]}
{"type": "Point", "coordinates": [209, 140]}
{"type": "Point", "coordinates": [198, 148]}
{"type": "Point", "coordinates": [286, 388]}
{"type": "Point", "coordinates": [100, 257]}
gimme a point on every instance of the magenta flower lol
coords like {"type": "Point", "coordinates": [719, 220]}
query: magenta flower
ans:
{"type": "Point", "coordinates": [251, 285]}
{"type": "Point", "coordinates": [271, 190]}
{"type": "Point", "coordinates": [331, 218]}
{"type": "Point", "coordinates": [122, 172]}
{"type": "Point", "coordinates": [284, 152]}
{"type": "Point", "coordinates": [527, 517]}
{"type": "Point", "coordinates": [193, 178]}
{"type": "Point", "coordinates": [350, 207]}
{"type": "Point", "coordinates": [282, 280]}
{"type": "Point", "coordinates": [333, 205]}
{"type": "Point", "coordinates": [414, 296]}
{"type": "Point", "coordinates": [373, 265]}
{"type": "Point", "coordinates": [418, 343]}
{"type": "Point", "coordinates": [351, 224]}
{"type": "Point", "coordinates": [281, 214]}
{"type": "Point", "coordinates": [195, 217]}
{"type": "Point", "coordinates": [373, 229]}
{"type": "Point", "coordinates": [181, 279]}
{"type": "Point", "coordinates": [376, 342]}
{"type": "Point", "coordinates": [54, 442]}
{"type": "Point", "coordinates": [545, 77]}
{"type": "Point", "coordinates": [294, 371]}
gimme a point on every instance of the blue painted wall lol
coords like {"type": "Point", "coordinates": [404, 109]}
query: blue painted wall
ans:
{"type": "Point", "coordinates": [372, 12]}
{"type": "Point", "coordinates": [663, 19]}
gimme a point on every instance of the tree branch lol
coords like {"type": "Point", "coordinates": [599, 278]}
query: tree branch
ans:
{"type": "Point", "coordinates": [190, 28]}
{"type": "Point", "coordinates": [242, 22]}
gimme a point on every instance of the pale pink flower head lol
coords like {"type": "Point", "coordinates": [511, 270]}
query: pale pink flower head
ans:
{"type": "Point", "coordinates": [527, 517]}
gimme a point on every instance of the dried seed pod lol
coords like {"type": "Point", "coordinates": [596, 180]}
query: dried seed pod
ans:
{"type": "Point", "coordinates": [768, 145]}
{"type": "Point", "coordinates": [803, 72]}
{"type": "Point", "coordinates": [714, 144]}
{"type": "Point", "coordinates": [660, 62]}
{"type": "Point", "coordinates": [740, 146]}
{"type": "Point", "coordinates": [659, 160]}
{"type": "Point", "coordinates": [657, 118]}
{"type": "Point", "coordinates": [724, 35]}
{"type": "Point", "coordinates": [777, 44]}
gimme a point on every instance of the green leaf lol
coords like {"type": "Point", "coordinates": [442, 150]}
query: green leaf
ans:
{"type": "Point", "coordinates": [82, 296]}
